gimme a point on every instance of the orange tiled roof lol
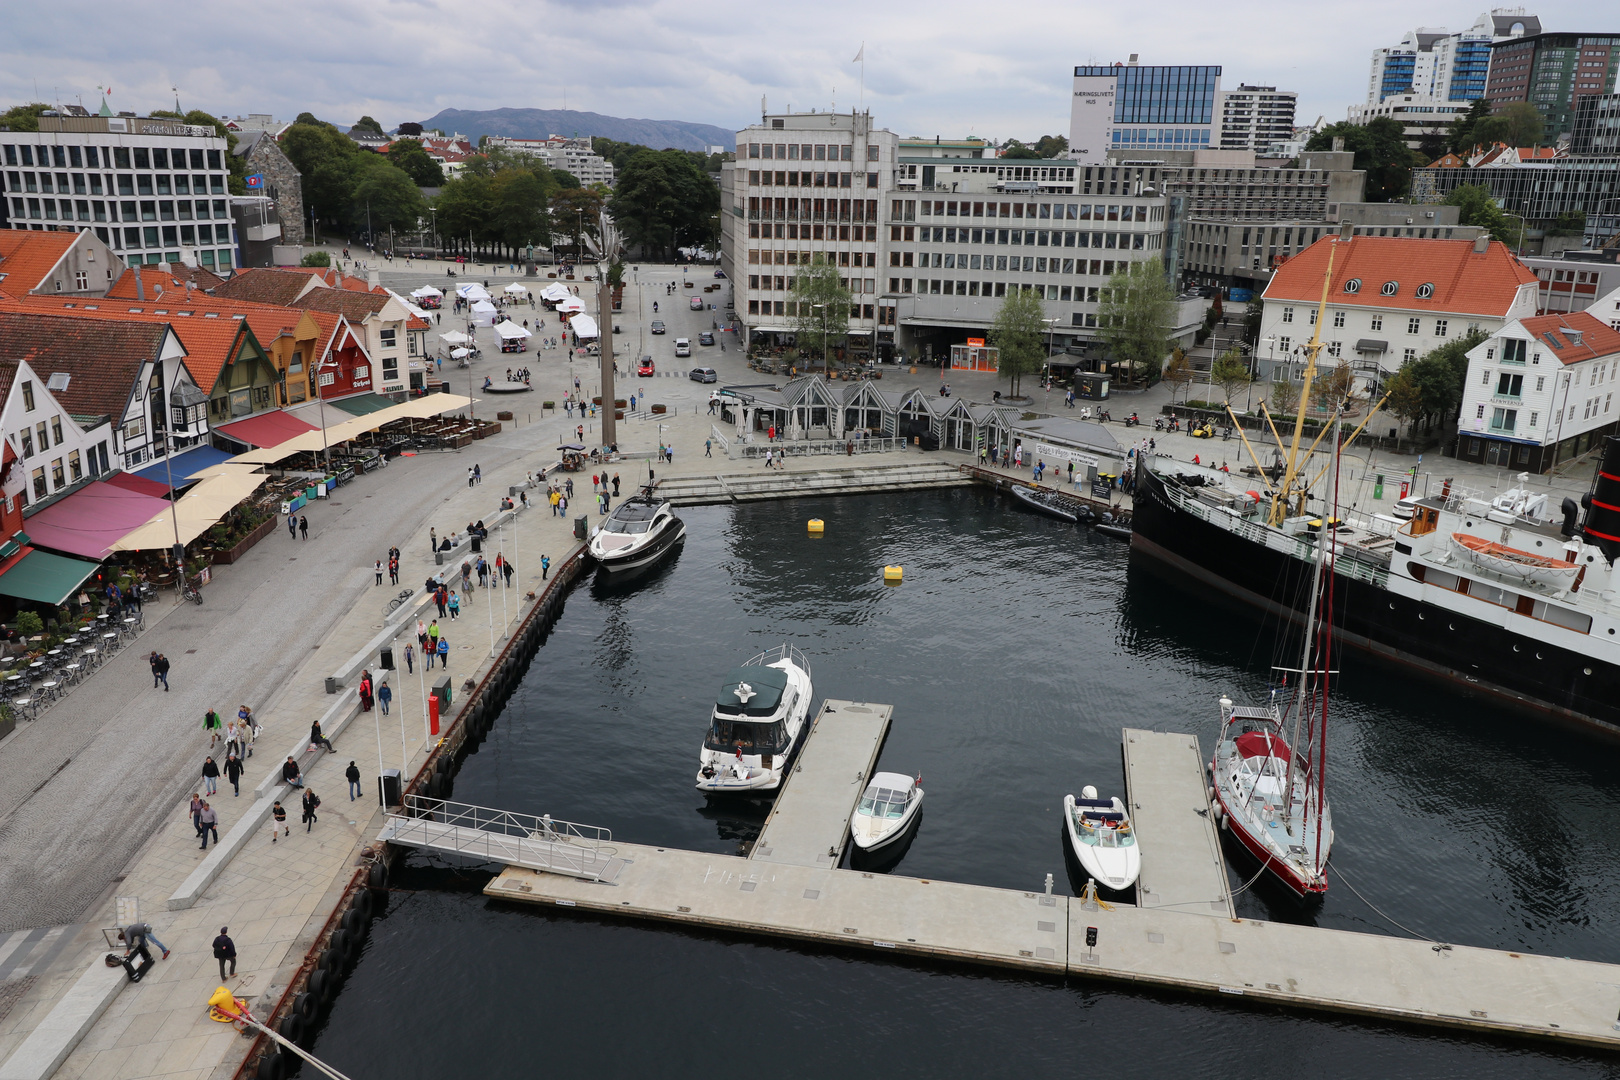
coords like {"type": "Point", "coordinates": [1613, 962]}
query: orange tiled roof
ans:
{"type": "Point", "coordinates": [355, 307]}
{"type": "Point", "coordinates": [159, 281]}
{"type": "Point", "coordinates": [1597, 337]}
{"type": "Point", "coordinates": [279, 287]}
{"type": "Point", "coordinates": [101, 355]}
{"type": "Point", "coordinates": [1465, 282]}
{"type": "Point", "coordinates": [27, 257]}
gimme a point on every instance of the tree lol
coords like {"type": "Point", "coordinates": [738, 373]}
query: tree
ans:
{"type": "Point", "coordinates": [306, 118]}
{"type": "Point", "coordinates": [1253, 315]}
{"type": "Point", "coordinates": [521, 207]}
{"type": "Point", "coordinates": [663, 201]}
{"type": "Point", "coordinates": [316, 258]}
{"type": "Point", "coordinates": [409, 155]}
{"type": "Point", "coordinates": [1230, 373]}
{"type": "Point", "coordinates": [1380, 149]}
{"type": "Point", "coordinates": [1569, 223]}
{"type": "Point", "coordinates": [574, 211]}
{"type": "Point", "coordinates": [1460, 137]}
{"type": "Point", "coordinates": [822, 303]}
{"type": "Point", "coordinates": [1017, 151]}
{"type": "Point", "coordinates": [23, 117]}
{"type": "Point", "coordinates": [1283, 397]}
{"type": "Point", "coordinates": [366, 123]}
{"type": "Point", "coordinates": [1332, 386]}
{"type": "Point", "coordinates": [385, 197]}
{"type": "Point", "coordinates": [1441, 373]}
{"type": "Point", "coordinates": [1477, 207]}
{"type": "Point", "coordinates": [1016, 334]}
{"type": "Point", "coordinates": [1405, 401]}
{"type": "Point", "coordinates": [1052, 146]}
{"type": "Point", "coordinates": [1178, 373]}
{"type": "Point", "coordinates": [1135, 316]}
{"type": "Point", "coordinates": [564, 178]}
{"type": "Point", "coordinates": [1518, 124]}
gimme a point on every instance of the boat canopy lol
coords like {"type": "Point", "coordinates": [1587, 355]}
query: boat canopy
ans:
{"type": "Point", "coordinates": [886, 796]}
{"type": "Point", "coordinates": [1253, 744]}
{"type": "Point", "coordinates": [752, 690]}
{"type": "Point", "coordinates": [633, 516]}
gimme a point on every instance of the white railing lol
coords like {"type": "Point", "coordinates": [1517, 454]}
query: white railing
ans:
{"type": "Point", "coordinates": [826, 447]}
{"type": "Point", "coordinates": [783, 652]}
{"type": "Point", "coordinates": [719, 438]}
{"type": "Point", "coordinates": [539, 842]}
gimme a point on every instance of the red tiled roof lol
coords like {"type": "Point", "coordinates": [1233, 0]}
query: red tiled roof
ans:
{"type": "Point", "coordinates": [160, 281]}
{"type": "Point", "coordinates": [101, 356]}
{"type": "Point", "coordinates": [279, 287]}
{"type": "Point", "coordinates": [1465, 282]}
{"type": "Point", "coordinates": [1597, 337]}
{"type": "Point", "coordinates": [27, 258]}
{"type": "Point", "coordinates": [351, 305]}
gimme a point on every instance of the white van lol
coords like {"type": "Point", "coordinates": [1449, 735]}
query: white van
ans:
{"type": "Point", "coordinates": [683, 346]}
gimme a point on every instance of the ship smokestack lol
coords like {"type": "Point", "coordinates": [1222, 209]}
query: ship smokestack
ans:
{"type": "Point", "coordinates": [1603, 515]}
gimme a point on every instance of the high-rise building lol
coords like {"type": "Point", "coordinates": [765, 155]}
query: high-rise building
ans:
{"type": "Point", "coordinates": [1255, 117]}
{"type": "Point", "coordinates": [1143, 107]}
{"type": "Point", "coordinates": [1433, 63]}
{"type": "Point", "coordinates": [1553, 72]}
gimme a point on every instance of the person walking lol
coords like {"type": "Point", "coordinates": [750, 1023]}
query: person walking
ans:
{"type": "Point", "coordinates": [455, 607]}
{"type": "Point", "coordinates": [615, 485]}
{"type": "Point", "coordinates": [225, 949]}
{"type": "Point", "coordinates": [303, 526]}
{"type": "Point", "coordinates": [233, 737]}
{"type": "Point", "coordinates": [433, 636]}
{"type": "Point", "coordinates": [410, 659]}
{"type": "Point", "coordinates": [208, 822]}
{"type": "Point", "coordinates": [545, 566]}
{"type": "Point", "coordinates": [233, 773]}
{"type": "Point", "coordinates": [210, 773]}
{"type": "Point", "coordinates": [135, 937]}
{"type": "Point", "coordinates": [152, 662]}
{"type": "Point", "coordinates": [478, 474]}
{"type": "Point", "coordinates": [163, 671]}
{"type": "Point", "coordinates": [366, 691]}
{"type": "Point", "coordinates": [433, 539]}
{"type": "Point", "coordinates": [444, 653]}
{"type": "Point", "coordinates": [393, 569]}
{"type": "Point", "coordinates": [211, 725]}
{"type": "Point", "coordinates": [311, 803]}
{"type": "Point", "coordinates": [194, 810]}
{"type": "Point", "coordinates": [379, 571]}
{"type": "Point", "coordinates": [278, 821]}
{"type": "Point", "coordinates": [506, 568]}
{"type": "Point", "coordinates": [707, 448]}
{"type": "Point", "coordinates": [385, 695]}
{"type": "Point", "coordinates": [352, 775]}
{"type": "Point", "coordinates": [292, 526]}
{"type": "Point", "coordinates": [466, 576]}
{"type": "Point", "coordinates": [553, 497]}
{"type": "Point", "coordinates": [290, 774]}
{"type": "Point", "coordinates": [440, 602]}
{"type": "Point", "coordinates": [469, 476]}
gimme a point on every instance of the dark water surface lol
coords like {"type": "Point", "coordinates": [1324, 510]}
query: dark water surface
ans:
{"type": "Point", "coordinates": [1013, 653]}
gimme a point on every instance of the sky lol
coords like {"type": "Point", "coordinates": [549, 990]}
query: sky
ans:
{"type": "Point", "coordinates": [946, 68]}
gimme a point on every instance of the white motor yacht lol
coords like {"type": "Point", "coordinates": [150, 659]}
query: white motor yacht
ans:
{"type": "Point", "coordinates": [1102, 838]}
{"type": "Point", "coordinates": [638, 532]}
{"type": "Point", "coordinates": [886, 811]}
{"type": "Point", "coordinates": [759, 714]}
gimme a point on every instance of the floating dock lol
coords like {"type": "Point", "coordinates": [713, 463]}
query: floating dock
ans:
{"type": "Point", "coordinates": [1182, 865]}
{"type": "Point", "coordinates": [790, 484]}
{"type": "Point", "coordinates": [1170, 943]}
{"type": "Point", "coordinates": [809, 825]}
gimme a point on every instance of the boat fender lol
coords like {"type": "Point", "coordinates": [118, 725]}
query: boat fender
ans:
{"type": "Point", "coordinates": [445, 785]}
{"type": "Point", "coordinates": [321, 988]}
{"type": "Point", "coordinates": [307, 1006]}
{"type": "Point", "coordinates": [330, 960]}
{"type": "Point", "coordinates": [291, 1028]}
{"type": "Point", "coordinates": [270, 1067]}
{"type": "Point", "coordinates": [362, 903]}
{"type": "Point", "coordinates": [347, 946]}
{"type": "Point", "coordinates": [355, 923]}
{"type": "Point", "coordinates": [377, 878]}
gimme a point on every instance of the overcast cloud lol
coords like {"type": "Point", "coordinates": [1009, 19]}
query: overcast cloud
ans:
{"type": "Point", "coordinates": [943, 68]}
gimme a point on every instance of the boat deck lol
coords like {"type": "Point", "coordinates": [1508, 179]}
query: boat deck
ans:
{"type": "Point", "coordinates": [1182, 865]}
{"type": "Point", "coordinates": [809, 825]}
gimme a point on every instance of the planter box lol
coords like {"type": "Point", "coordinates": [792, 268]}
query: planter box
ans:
{"type": "Point", "coordinates": [264, 529]}
{"type": "Point", "coordinates": [618, 416]}
{"type": "Point", "coordinates": [503, 415]}
{"type": "Point", "coordinates": [458, 442]}
{"type": "Point", "coordinates": [484, 431]}
{"type": "Point", "coordinates": [658, 410]}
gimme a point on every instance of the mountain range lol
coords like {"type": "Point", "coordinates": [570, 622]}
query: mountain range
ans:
{"type": "Point", "coordinates": [540, 123]}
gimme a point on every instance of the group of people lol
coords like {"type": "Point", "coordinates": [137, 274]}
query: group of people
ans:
{"type": "Point", "coordinates": [433, 644]}
{"type": "Point", "coordinates": [393, 567]}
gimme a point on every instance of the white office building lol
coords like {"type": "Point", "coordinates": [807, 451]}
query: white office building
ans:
{"type": "Point", "coordinates": [573, 156]}
{"type": "Point", "coordinates": [150, 189]}
{"type": "Point", "coordinates": [1256, 117]}
{"type": "Point", "coordinates": [1132, 107]}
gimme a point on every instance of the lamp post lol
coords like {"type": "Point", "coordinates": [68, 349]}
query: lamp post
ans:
{"type": "Point", "coordinates": [320, 406]}
{"type": "Point", "coordinates": [1049, 324]}
{"type": "Point", "coordinates": [433, 219]}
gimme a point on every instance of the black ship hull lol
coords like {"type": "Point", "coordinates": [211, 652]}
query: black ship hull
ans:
{"type": "Point", "coordinates": [1489, 660]}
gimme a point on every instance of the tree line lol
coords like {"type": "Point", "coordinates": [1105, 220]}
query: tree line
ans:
{"type": "Point", "coordinates": [663, 200]}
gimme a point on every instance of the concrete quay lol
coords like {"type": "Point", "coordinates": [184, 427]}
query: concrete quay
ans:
{"type": "Point", "coordinates": [809, 825]}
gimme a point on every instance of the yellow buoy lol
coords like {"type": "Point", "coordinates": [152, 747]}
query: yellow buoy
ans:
{"type": "Point", "coordinates": [817, 526]}
{"type": "Point", "coordinates": [891, 574]}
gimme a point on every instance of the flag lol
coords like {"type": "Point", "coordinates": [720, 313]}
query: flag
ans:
{"type": "Point", "coordinates": [860, 57]}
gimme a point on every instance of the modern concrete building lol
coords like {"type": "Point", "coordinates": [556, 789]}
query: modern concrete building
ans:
{"type": "Point", "coordinates": [1553, 72]}
{"type": "Point", "coordinates": [1256, 117]}
{"type": "Point", "coordinates": [1143, 107]}
{"type": "Point", "coordinates": [573, 156]}
{"type": "Point", "coordinates": [1421, 118]}
{"type": "Point", "coordinates": [1574, 280]}
{"type": "Point", "coordinates": [1437, 65]}
{"type": "Point", "coordinates": [148, 188]}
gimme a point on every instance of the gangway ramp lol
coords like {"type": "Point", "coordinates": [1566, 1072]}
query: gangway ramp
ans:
{"type": "Point", "coordinates": [526, 840]}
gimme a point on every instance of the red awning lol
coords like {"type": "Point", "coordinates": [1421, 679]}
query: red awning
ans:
{"type": "Point", "coordinates": [265, 429]}
{"type": "Point", "coordinates": [91, 520]}
{"type": "Point", "coordinates": [131, 482]}
{"type": "Point", "coordinates": [1252, 744]}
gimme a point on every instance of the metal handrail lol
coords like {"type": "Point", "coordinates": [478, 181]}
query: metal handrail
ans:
{"type": "Point", "coordinates": [781, 652]}
{"type": "Point", "coordinates": [499, 835]}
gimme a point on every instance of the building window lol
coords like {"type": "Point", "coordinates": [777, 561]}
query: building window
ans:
{"type": "Point", "coordinates": [40, 490]}
{"type": "Point", "coordinates": [1440, 328]}
{"type": "Point", "coordinates": [1408, 355]}
{"type": "Point", "coordinates": [1377, 323]}
{"type": "Point", "coordinates": [1413, 326]}
{"type": "Point", "coordinates": [75, 466]}
{"type": "Point", "coordinates": [58, 476]}
{"type": "Point", "coordinates": [41, 437]}
{"type": "Point", "coordinates": [1508, 385]}
{"type": "Point", "coordinates": [56, 430]}
{"type": "Point", "coordinates": [386, 338]}
{"type": "Point", "coordinates": [1504, 419]}
{"type": "Point", "coordinates": [1288, 314]}
{"type": "Point", "coordinates": [1338, 318]}
{"type": "Point", "coordinates": [28, 396]}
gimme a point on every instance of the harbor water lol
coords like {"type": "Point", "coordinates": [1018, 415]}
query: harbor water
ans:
{"type": "Point", "coordinates": [1014, 652]}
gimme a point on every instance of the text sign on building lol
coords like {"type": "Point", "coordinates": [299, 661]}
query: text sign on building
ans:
{"type": "Point", "coordinates": [1048, 452]}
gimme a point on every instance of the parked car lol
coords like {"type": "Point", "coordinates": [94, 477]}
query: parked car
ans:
{"type": "Point", "coordinates": [658, 326]}
{"type": "Point", "coordinates": [704, 375]}
{"type": "Point", "coordinates": [706, 338]}
{"type": "Point", "coordinates": [683, 346]}
{"type": "Point", "coordinates": [719, 273]}
{"type": "Point", "coordinates": [696, 304]}
{"type": "Point", "coordinates": [646, 367]}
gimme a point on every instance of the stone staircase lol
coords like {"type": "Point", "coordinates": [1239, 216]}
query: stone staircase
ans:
{"type": "Point", "coordinates": [854, 480]}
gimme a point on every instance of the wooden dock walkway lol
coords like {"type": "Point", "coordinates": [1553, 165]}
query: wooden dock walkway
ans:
{"type": "Point", "coordinates": [1182, 865]}
{"type": "Point", "coordinates": [809, 825]}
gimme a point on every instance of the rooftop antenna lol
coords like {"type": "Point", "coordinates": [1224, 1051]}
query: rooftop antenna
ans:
{"type": "Point", "coordinates": [176, 90]}
{"type": "Point", "coordinates": [860, 58]}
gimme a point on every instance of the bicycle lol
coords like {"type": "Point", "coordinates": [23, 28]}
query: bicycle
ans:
{"type": "Point", "coordinates": [398, 601]}
{"type": "Point", "coordinates": [191, 592]}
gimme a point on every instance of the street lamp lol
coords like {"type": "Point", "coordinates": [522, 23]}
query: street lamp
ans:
{"type": "Point", "coordinates": [320, 405]}
{"type": "Point", "coordinates": [822, 308]}
{"type": "Point", "coordinates": [1048, 380]}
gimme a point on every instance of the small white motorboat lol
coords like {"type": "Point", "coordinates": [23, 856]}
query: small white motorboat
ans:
{"type": "Point", "coordinates": [1102, 838]}
{"type": "Point", "coordinates": [886, 811]}
{"type": "Point", "coordinates": [758, 717]}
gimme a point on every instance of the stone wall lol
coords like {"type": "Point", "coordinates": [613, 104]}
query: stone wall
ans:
{"type": "Point", "coordinates": [283, 184]}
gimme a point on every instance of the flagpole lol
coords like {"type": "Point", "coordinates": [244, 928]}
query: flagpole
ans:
{"type": "Point", "coordinates": [862, 57]}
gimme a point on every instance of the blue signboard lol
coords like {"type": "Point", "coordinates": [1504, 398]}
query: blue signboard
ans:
{"type": "Point", "coordinates": [1237, 296]}
{"type": "Point", "coordinates": [255, 182]}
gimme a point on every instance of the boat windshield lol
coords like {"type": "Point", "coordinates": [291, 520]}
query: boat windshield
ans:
{"type": "Point", "coordinates": [631, 517]}
{"type": "Point", "coordinates": [879, 802]}
{"type": "Point", "coordinates": [726, 735]}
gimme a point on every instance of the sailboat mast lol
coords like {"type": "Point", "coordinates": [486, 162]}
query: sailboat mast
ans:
{"type": "Point", "coordinates": [1325, 652]}
{"type": "Point", "coordinates": [1306, 691]}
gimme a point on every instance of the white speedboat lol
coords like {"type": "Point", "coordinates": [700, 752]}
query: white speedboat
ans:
{"type": "Point", "coordinates": [638, 532]}
{"type": "Point", "coordinates": [758, 717]}
{"type": "Point", "coordinates": [1102, 838]}
{"type": "Point", "coordinates": [886, 811]}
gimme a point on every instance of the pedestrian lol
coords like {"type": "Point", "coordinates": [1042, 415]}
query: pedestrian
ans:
{"type": "Point", "coordinates": [379, 571]}
{"type": "Point", "coordinates": [212, 726]}
{"type": "Point", "coordinates": [444, 653]}
{"type": "Point", "coordinates": [278, 821]}
{"type": "Point", "coordinates": [669, 454]}
{"type": "Point", "coordinates": [441, 601]}
{"type": "Point", "coordinates": [233, 773]}
{"type": "Point", "coordinates": [152, 662]}
{"type": "Point", "coordinates": [478, 474]}
{"type": "Point", "coordinates": [455, 607]}
{"type": "Point", "coordinates": [248, 727]}
{"type": "Point", "coordinates": [410, 659]}
{"type": "Point", "coordinates": [312, 803]}
{"type": "Point", "coordinates": [562, 506]}
{"type": "Point", "coordinates": [225, 949]}
{"type": "Point", "coordinates": [545, 566]}
{"type": "Point", "coordinates": [365, 691]}
{"type": "Point", "coordinates": [595, 482]}
{"type": "Point", "coordinates": [469, 476]}
{"type": "Point", "coordinates": [352, 775]}
{"type": "Point", "coordinates": [193, 811]}
{"type": "Point", "coordinates": [384, 696]}
{"type": "Point", "coordinates": [233, 738]}
{"type": "Point", "coordinates": [568, 487]}
{"type": "Point", "coordinates": [290, 774]}
{"type": "Point", "coordinates": [433, 635]}
{"type": "Point", "coordinates": [552, 497]}
{"type": "Point", "coordinates": [615, 485]}
{"type": "Point", "coordinates": [210, 772]}
{"type": "Point", "coordinates": [135, 937]}
{"type": "Point", "coordinates": [163, 671]}
{"type": "Point", "coordinates": [292, 526]}
{"type": "Point", "coordinates": [393, 570]}
{"type": "Point", "coordinates": [707, 445]}
{"type": "Point", "coordinates": [208, 822]}
{"type": "Point", "coordinates": [303, 526]}
{"type": "Point", "coordinates": [433, 539]}
{"type": "Point", "coordinates": [506, 568]}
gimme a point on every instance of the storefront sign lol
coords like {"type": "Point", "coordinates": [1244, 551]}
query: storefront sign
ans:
{"type": "Point", "coordinates": [1048, 452]}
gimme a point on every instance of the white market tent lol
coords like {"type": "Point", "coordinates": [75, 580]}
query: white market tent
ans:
{"type": "Point", "coordinates": [455, 337]}
{"type": "Point", "coordinates": [555, 292]}
{"type": "Point", "coordinates": [571, 306]}
{"type": "Point", "coordinates": [584, 327]}
{"type": "Point", "coordinates": [483, 313]}
{"type": "Point", "coordinates": [472, 291]}
{"type": "Point", "coordinates": [426, 290]}
{"type": "Point", "coordinates": [515, 289]}
{"type": "Point", "coordinates": [457, 354]}
{"type": "Point", "coordinates": [511, 331]}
